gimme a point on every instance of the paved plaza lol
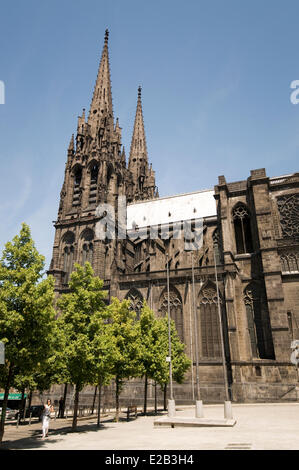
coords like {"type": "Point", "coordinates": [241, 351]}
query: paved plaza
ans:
{"type": "Point", "coordinates": [258, 427]}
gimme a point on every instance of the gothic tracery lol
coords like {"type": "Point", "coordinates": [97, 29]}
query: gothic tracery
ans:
{"type": "Point", "coordinates": [289, 215]}
{"type": "Point", "coordinates": [176, 310]}
{"type": "Point", "coordinates": [136, 301]}
{"type": "Point", "coordinates": [209, 322]}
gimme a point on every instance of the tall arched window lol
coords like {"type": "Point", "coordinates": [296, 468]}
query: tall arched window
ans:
{"type": "Point", "coordinates": [176, 310]}
{"type": "Point", "coordinates": [77, 186]}
{"type": "Point", "coordinates": [94, 171]}
{"type": "Point", "coordinates": [87, 246]}
{"type": "Point", "coordinates": [209, 322]}
{"type": "Point", "coordinates": [241, 218]}
{"type": "Point", "coordinates": [68, 256]}
{"type": "Point", "coordinates": [138, 252]}
{"type": "Point", "coordinates": [258, 321]}
{"type": "Point", "coordinates": [136, 301]}
{"type": "Point", "coordinates": [87, 253]}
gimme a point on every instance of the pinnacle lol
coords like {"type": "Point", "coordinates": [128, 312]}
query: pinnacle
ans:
{"type": "Point", "coordinates": [138, 145]}
{"type": "Point", "coordinates": [101, 103]}
{"type": "Point", "coordinates": [123, 156]}
{"type": "Point", "coordinates": [72, 143]}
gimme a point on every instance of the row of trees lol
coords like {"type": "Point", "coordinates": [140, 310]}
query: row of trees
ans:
{"type": "Point", "coordinates": [86, 342]}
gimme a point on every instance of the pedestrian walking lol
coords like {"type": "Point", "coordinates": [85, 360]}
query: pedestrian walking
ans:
{"type": "Point", "coordinates": [46, 416]}
{"type": "Point", "coordinates": [61, 408]}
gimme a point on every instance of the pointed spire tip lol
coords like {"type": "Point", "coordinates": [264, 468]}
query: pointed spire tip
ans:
{"type": "Point", "coordinates": [106, 36]}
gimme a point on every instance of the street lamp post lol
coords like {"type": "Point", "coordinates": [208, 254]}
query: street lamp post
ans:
{"type": "Point", "coordinates": [227, 402]}
{"type": "Point", "coordinates": [171, 402]}
{"type": "Point", "coordinates": [191, 342]}
{"type": "Point", "coordinates": [198, 402]}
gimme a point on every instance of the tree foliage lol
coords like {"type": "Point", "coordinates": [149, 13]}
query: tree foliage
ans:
{"type": "Point", "coordinates": [27, 316]}
{"type": "Point", "coordinates": [127, 361]}
{"type": "Point", "coordinates": [83, 313]}
{"type": "Point", "coordinates": [159, 369]}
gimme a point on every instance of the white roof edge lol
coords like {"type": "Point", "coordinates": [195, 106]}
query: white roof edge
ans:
{"type": "Point", "coordinates": [281, 176]}
{"type": "Point", "coordinates": [170, 197]}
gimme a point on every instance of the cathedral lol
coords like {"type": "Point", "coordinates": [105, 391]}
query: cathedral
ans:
{"type": "Point", "coordinates": [249, 243]}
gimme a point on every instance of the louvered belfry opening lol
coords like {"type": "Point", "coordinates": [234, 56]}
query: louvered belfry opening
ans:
{"type": "Point", "coordinates": [77, 187]}
{"type": "Point", "coordinates": [94, 171]}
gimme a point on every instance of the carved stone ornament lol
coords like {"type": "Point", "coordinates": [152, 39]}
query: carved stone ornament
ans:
{"type": "Point", "coordinates": [240, 212]}
{"type": "Point", "coordinates": [288, 207]}
{"type": "Point", "coordinates": [174, 301]}
{"type": "Point", "coordinates": [209, 296]}
{"type": "Point", "coordinates": [136, 301]}
{"type": "Point", "coordinates": [290, 261]}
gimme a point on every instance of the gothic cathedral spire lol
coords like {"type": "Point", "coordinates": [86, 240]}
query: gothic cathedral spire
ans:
{"type": "Point", "coordinates": [101, 105]}
{"type": "Point", "coordinates": [96, 172]}
{"type": "Point", "coordinates": [138, 152]}
{"type": "Point", "coordinates": [143, 175]}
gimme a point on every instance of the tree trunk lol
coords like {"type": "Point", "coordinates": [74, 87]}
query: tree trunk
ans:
{"type": "Point", "coordinates": [155, 397]}
{"type": "Point", "coordinates": [29, 401]}
{"type": "Point", "coordinates": [94, 399]}
{"type": "Point", "coordinates": [64, 400]}
{"type": "Point", "coordinates": [76, 404]}
{"type": "Point", "coordinates": [23, 405]}
{"type": "Point", "coordinates": [165, 396]}
{"type": "Point", "coordinates": [99, 406]}
{"type": "Point", "coordinates": [117, 400]}
{"type": "Point", "coordinates": [5, 400]}
{"type": "Point", "coordinates": [145, 395]}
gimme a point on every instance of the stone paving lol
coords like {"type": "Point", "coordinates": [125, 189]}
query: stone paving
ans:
{"type": "Point", "coordinates": [258, 427]}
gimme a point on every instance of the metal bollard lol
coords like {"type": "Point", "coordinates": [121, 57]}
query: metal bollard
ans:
{"type": "Point", "coordinates": [18, 420]}
{"type": "Point", "coordinates": [30, 416]}
{"type": "Point", "coordinates": [55, 415]}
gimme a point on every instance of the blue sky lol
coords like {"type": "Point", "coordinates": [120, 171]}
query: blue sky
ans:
{"type": "Point", "coordinates": [216, 93]}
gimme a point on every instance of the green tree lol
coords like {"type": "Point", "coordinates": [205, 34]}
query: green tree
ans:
{"type": "Point", "coordinates": [180, 361]}
{"type": "Point", "coordinates": [149, 337]}
{"type": "Point", "coordinates": [27, 316]}
{"type": "Point", "coordinates": [83, 311]}
{"type": "Point", "coordinates": [104, 345]}
{"type": "Point", "coordinates": [49, 372]}
{"type": "Point", "coordinates": [128, 349]}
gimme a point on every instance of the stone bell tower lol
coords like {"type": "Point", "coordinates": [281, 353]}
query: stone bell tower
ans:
{"type": "Point", "coordinates": [96, 172]}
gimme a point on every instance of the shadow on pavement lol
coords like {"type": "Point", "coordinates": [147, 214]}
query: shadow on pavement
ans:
{"type": "Point", "coordinates": [35, 440]}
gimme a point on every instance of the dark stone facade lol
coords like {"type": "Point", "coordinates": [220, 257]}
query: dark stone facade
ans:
{"type": "Point", "coordinates": [254, 234]}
